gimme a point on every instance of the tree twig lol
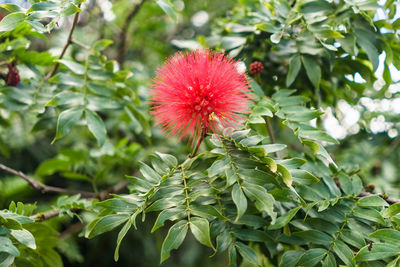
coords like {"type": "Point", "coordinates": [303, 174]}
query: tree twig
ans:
{"type": "Point", "coordinates": [123, 43]}
{"type": "Point", "coordinates": [52, 189]}
{"type": "Point", "coordinates": [46, 188]}
{"type": "Point", "coordinates": [69, 41]}
{"type": "Point", "coordinates": [72, 229]}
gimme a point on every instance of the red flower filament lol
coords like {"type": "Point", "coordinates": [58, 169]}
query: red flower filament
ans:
{"type": "Point", "coordinates": [199, 91]}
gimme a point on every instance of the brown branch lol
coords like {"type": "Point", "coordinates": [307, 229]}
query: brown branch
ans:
{"type": "Point", "coordinates": [73, 229]}
{"type": "Point", "coordinates": [46, 188]}
{"type": "Point", "coordinates": [123, 44]}
{"type": "Point", "coordinates": [69, 41]}
{"type": "Point", "coordinates": [196, 148]}
{"type": "Point", "coordinates": [52, 189]}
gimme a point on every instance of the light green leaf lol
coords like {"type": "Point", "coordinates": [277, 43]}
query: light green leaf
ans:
{"type": "Point", "coordinates": [372, 201]}
{"type": "Point", "coordinates": [392, 210]}
{"type": "Point", "coordinates": [96, 126]}
{"type": "Point", "coordinates": [24, 237]}
{"type": "Point", "coordinates": [387, 235]}
{"type": "Point", "coordinates": [67, 119]}
{"type": "Point", "coordinates": [170, 160]}
{"type": "Point", "coordinates": [73, 66]}
{"type": "Point", "coordinates": [167, 6]}
{"type": "Point", "coordinates": [11, 21]}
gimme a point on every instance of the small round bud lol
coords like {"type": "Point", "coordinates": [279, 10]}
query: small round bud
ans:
{"type": "Point", "coordinates": [256, 68]}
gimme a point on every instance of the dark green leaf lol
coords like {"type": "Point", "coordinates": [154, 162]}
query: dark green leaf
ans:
{"type": "Point", "coordinates": [247, 253]}
{"type": "Point", "coordinates": [105, 224]}
{"type": "Point", "coordinates": [200, 228]}
{"type": "Point", "coordinates": [294, 68]}
{"type": "Point", "coordinates": [174, 239]}
{"type": "Point", "coordinates": [240, 200]}
{"type": "Point", "coordinates": [377, 251]}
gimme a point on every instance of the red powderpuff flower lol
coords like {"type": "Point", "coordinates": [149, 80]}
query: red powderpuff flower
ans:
{"type": "Point", "coordinates": [198, 91]}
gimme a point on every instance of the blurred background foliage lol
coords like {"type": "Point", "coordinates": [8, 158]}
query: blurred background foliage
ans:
{"type": "Point", "coordinates": [87, 125]}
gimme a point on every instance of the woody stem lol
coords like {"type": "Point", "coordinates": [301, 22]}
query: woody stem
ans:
{"type": "Point", "coordinates": [203, 135]}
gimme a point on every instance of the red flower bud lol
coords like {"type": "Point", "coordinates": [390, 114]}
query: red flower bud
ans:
{"type": "Point", "coordinates": [256, 68]}
{"type": "Point", "coordinates": [12, 76]}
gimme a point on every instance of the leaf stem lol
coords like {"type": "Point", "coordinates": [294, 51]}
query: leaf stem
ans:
{"type": "Point", "coordinates": [69, 41]}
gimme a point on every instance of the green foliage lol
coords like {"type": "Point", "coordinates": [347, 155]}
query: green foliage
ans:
{"type": "Point", "coordinates": [280, 191]}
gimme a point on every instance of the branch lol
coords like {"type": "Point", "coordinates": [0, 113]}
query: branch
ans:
{"type": "Point", "coordinates": [52, 189]}
{"type": "Point", "coordinates": [123, 44]}
{"type": "Point", "coordinates": [73, 229]}
{"type": "Point", "coordinates": [46, 188]}
{"type": "Point", "coordinates": [69, 41]}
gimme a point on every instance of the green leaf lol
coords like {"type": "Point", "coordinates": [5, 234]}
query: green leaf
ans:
{"type": "Point", "coordinates": [200, 228]}
{"type": "Point", "coordinates": [11, 21]}
{"type": "Point", "coordinates": [303, 177]}
{"type": "Point", "coordinates": [343, 252]}
{"type": "Point", "coordinates": [67, 119]}
{"type": "Point", "coordinates": [273, 148]}
{"type": "Point", "coordinates": [8, 247]}
{"type": "Point", "coordinates": [263, 200]}
{"type": "Point", "coordinates": [131, 110]}
{"type": "Point", "coordinates": [387, 235]}
{"type": "Point", "coordinates": [256, 88]}
{"type": "Point", "coordinates": [12, 8]}
{"type": "Point", "coordinates": [73, 66]}
{"type": "Point", "coordinates": [174, 239]}
{"type": "Point", "coordinates": [121, 236]}
{"type": "Point", "coordinates": [372, 201]}
{"type": "Point", "coordinates": [240, 201]}
{"type": "Point", "coordinates": [329, 261]}
{"type": "Point", "coordinates": [377, 251]}
{"type": "Point", "coordinates": [170, 160]}
{"type": "Point", "coordinates": [251, 235]}
{"type": "Point", "coordinates": [285, 174]}
{"type": "Point", "coordinates": [369, 214]}
{"type": "Point", "coordinates": [105, 224]}
{"type": "Point", "coordinates": [232, 256]}
{"type": "Point", "coordinates": [247, 253]}
{"type": "Point", "coordinates": [313, 70]}
{"type": "Point", "coordinates": [70, 9]}
{"type": "Point", "coordinates": [312, 257]}
{"type": "Point", "coordinates": [284, 219]}
{"type": "Point", "coordinates": [290, 258]}
{"type": "Point", "coordinates": [294, 68]}
{"type": "Point", "coordinates": [170, 214]}
{"type": "Point", "coordinates": [167, 6]}
{"type": "Point", "coordinates": [315, 236]}
{"type": "Point", "coordinates": [151, 175]}
{"type": "Point", "coordinates": [100, 45]}
{"type": "Point", "coordinates": [96, 126]}
{"type": "Point", "coordinates": [392, 210]}
{"type": "Point", "coordinates": [24, 237]}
